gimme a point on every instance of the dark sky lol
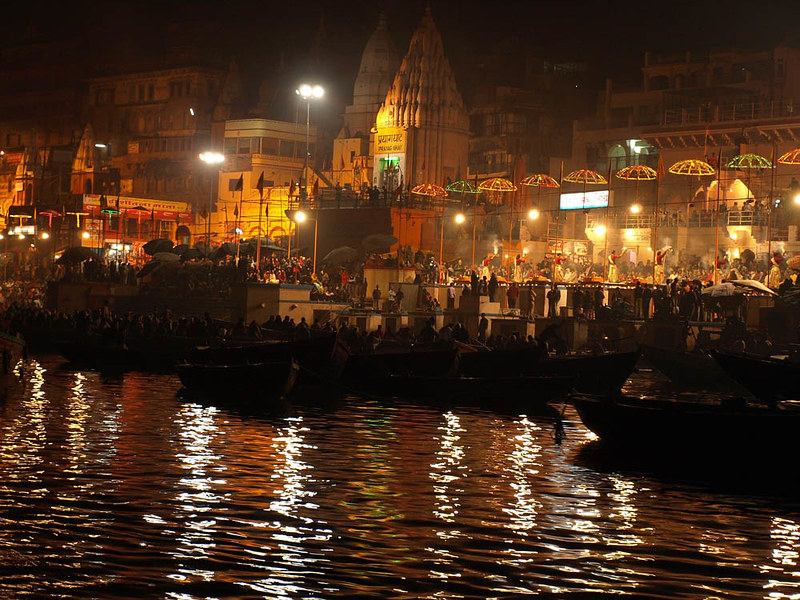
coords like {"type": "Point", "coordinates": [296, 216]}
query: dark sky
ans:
{"type": "Point", "coordinates": [611, 35]}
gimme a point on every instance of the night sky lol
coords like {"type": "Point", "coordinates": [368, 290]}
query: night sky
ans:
{"type": "Point", "coordinates": [612, 36]}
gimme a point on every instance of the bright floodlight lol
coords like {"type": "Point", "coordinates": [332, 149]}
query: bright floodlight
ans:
{"type": "Point", "coordinates": [300, 216]}
{"type": "Point", "coordinates": [600, 230]}
{"type": "Point", "coordinates": [45, 235]}
{"type": "Point", "coordinates": [86, 235]}
{"type": "Point", "coordinates": [797, 199]}
{"type": "Point", "coordinates": [533, 214]}
{"type": "Point", "coordinates": [636, 209]}
{"type": "Point", "coordinates": [460, 218]}
{"type": "Point", "coordinates": [21, 236]}
{"type": "Point", "coordinates": [733, 235]}
{"type": "Point", "coordinates": [307, 91]}
{"type": "Point", "coordinates": [211, 157]}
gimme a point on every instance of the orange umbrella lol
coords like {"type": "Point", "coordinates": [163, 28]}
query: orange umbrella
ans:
{"type": "Point", "coordinates": [498, 186]}
{"type": "Point", "coordinates": [692, 167]}
{"type": "Point", "coordinates": [429, 189]}
{"type": "Point", "coordinates": [790, 158]}
{"type": "Point", "coordinates": [586, 176]}
{"type": "Point", "coordinates": [637, 173]}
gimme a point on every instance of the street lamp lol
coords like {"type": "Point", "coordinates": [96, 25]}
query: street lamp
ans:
{"type": "Point", "coordinates": [460, 218]}
{"type": "Point", "coordinates": [210, 158]}
{"type": "Point", "coordinates": [308, 93]}
{"type": "Point", "coordinates": [533, 214]}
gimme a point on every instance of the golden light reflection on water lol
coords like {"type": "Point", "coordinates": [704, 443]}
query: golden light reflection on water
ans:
{"type": "Point", "coordinates": [783, 572]}
{"type": "Point", "coordinates": [525, 465]}
{"type": "Point", "coordinates": [200, 490]}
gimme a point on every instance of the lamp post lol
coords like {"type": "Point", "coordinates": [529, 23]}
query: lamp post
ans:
{"type": "Point", "coordinates": [210, 158]}
{"type": "Point", "coordinates": [308, 93]}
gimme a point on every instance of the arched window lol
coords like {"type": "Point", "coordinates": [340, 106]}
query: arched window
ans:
{"type": "Point", "coordinates": [659, 82]}
{"type": "Point", "coordinates": [87, 186]}
{"type": "Point", "coordinates": [183, 235]}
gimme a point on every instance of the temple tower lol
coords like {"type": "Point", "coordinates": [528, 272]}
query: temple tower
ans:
{"type": "Point", "coordinates": [351, 149]}
{"type": "Point", "coordinates": [422, 126]}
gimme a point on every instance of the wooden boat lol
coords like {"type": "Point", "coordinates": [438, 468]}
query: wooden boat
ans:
{"type": "Point", "coordinates": [321, 358]}
{"type": "Point", "coordinates": [720, 431]}
{"type": "Point", "coordinates": [593, 373]}
{"type": "Point", "coordinates": [527, 392]}
{"type": "Point", "coordinates": [690, 368]}
{"type": "Point", "coordinates": [251, 385]}
{"type": "Point", "coordinates": [474, 361]}
{"type": "Point", "coordinates": [401, 359]}
{"type": "Point", "coordinates": [770, 379]}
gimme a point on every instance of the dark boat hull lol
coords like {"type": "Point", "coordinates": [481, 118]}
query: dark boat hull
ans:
{"type": "Point", "coordinates": [718, 431]}
{"type": "Point", "coordinates": [531, 391]}
{"type": "Point", "coordinates": [493, 363]}
{"type": "Point", "coordinates": [404, 361]}
{"type": "Point", "coordinates": [604, 373]}
{"type": "Point", "coordinates": [695, 368]}
{"type": "Point", "coordinates": [242, 385]}
{"type": "Point", "coordinates": [770, 380]}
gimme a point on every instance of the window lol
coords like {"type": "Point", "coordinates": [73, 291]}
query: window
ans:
{"type": "Point", "coordinates": [270, 146]}
{"type": "Point", "coordinates": [243, 146]}
{"type": "Point", "coordinates": [151, 92]}
{"type": "Point", "coordinates": [229, 146]}
{"type": "Point", "coordinates": [140, 93]}
{"type": "Point", "coordinates": [232, 183]}
{"type": "Point", "coordinates": [287, 149]}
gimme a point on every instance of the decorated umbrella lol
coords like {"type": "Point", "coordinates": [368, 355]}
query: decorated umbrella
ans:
{"type": "Point", "coordinates": [586, 177]}
{"type": "Point", "coordinates": [462, 186]}
{"type": "Point", "coordinates": [429, 189]}
{"type": "Point", "coordinates": [540, 180]}
{"type": "Point", "coordinates": [498, 187]}
{"type": "Point", "coordinates": [748, 162]}
{"type": "Point", "coordinates": [637, 173]}
{"type": "Point", "coordinates": [790, 158]}
{"type": "Point", "coordinates": [434, 191]}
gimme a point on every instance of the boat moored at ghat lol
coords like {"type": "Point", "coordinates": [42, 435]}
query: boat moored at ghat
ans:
{"type": "Point", "coordinates": [729, 432]}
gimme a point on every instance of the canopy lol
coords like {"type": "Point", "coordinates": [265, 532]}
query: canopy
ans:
{"type": "Point", "coordinates": [749, 161]}
{"type": "Point", "coordinates": [790, 158]}
{"type": "Point", "coordinates": [429, 189]}
{"type": "Point", "coordinates": [637, 173]}
{"type": "Point", "coordinates": [542, 180]}
{"type": "Point", "coordinates": [693, 167]}
{"type": "Point", "coordinates": [586, 177]}
{"type": "Point", "coordinates": [462, 186]}
{"type": "Point", "coordinates": [497, 184]}
{"type": "Point", "coordinates": [754, 285]}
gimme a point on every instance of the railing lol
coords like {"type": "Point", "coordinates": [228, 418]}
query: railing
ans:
{"type": "Point", "coordinates": [743, 111]}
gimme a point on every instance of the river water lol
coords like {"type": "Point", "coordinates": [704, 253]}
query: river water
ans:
{"type": "Point", "coordinates": [120, 488]}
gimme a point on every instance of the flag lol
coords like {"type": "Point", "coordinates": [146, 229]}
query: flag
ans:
{"type": "Point", "coordinates": [342, 167]}
{"type": "Point", "coordinates": [660, 168]}
{"type": "Point", "coordinates": [315, 188]}
{"type": "Point", "coordinates": [396, 192]}
{"type": "Point", "coordinates": [260, 184]}
{"type": "Point", "coordinates": [239, 184]}
{"type": "Point", "coordinates": [291, 189]}
{"type": "Point", "coordinates": [235, 211]}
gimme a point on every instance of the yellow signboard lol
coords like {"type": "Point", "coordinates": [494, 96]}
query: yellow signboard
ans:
{"type": "Point", "coordinates": [390, 140]}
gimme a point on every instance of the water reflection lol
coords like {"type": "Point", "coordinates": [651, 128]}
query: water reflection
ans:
{"type": "Point", "coordinates": [100, 481]}
{"type": "Point", "coordinates": [198, 491]}
{"type": "Point", "coordinates": [782, 571]}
